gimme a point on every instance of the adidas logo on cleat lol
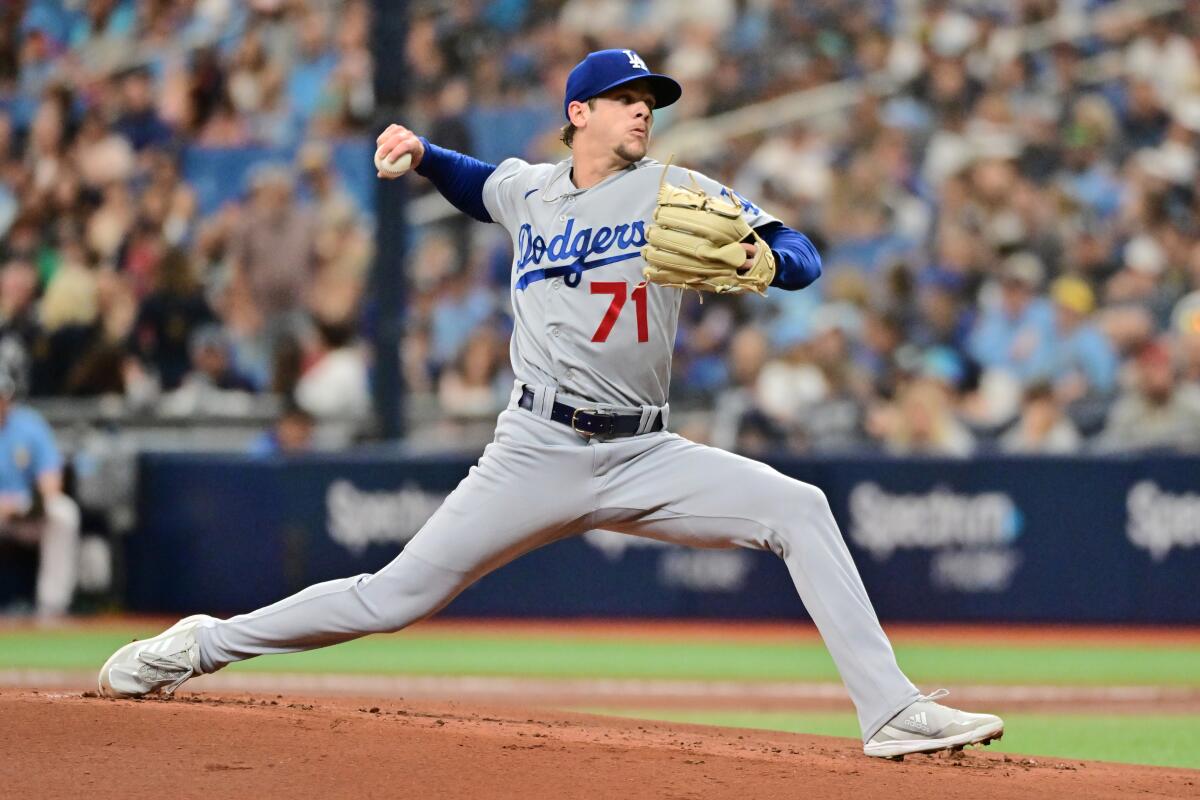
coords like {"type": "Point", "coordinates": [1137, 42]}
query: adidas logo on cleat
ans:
{"type": "Point", "coordinates": [918, 722]}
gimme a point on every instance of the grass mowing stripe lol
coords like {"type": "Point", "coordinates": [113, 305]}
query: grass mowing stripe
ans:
{"type": "Point", "coordinates": [417, 653]}
{"type": "Point", "coordinates": [1163, 740]}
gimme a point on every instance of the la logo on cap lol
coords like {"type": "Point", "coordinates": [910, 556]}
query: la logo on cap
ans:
{"type": "Point", "coordinates": [635, 61]}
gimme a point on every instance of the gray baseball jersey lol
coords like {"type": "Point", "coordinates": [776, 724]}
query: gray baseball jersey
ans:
{"type": "Point", "coordinates": [586, 320]}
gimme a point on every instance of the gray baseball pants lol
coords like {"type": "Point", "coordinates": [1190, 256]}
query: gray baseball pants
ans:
{"type": "Point", "coordinates": [539, 482]}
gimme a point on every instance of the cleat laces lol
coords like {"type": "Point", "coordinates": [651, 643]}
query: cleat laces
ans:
{"type": "Point", "coordinates": [173, 669]}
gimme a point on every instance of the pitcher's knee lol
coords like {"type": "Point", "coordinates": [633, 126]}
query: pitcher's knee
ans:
{"type": "Point", "coordinates": [407, 591]}
{"type": "Point", "coordinates": [790, 512]}
{"type": "Point", "coordinates": [811, 497]}
{"type": "Point", "coordinates": [793, 501]}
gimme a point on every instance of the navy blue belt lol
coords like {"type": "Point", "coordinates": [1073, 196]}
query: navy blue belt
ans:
{"type": "Point", "coordinates": [592, 421]}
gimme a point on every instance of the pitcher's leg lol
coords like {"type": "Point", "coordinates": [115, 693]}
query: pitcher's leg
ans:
{"type": "Point", "coordinates": [525, 492]}
{"type": "Point", "coordinates": [717, 499]}
{"type": "Point", "coordinates": [406, 591]}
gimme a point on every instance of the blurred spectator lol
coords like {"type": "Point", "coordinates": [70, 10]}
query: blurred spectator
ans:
{"type": "Point", "coordinates": [1144, 121]}
{"type": "Point", "coordinates": [1165, 57]}
{"type": "Point", "coordinates": [813, 393]}
{"type": "Point", "coordinates": [212, 386]}
{"type": "Point", "coordinates": [1042, 426]}
{"type": "Point", "coordinates": [1082, 361]}
{"type": "Point", "coordinates": [798, 158]}
{"type": "Point", "coordinates": [102, 155]}
{"type": "Point", "coordinates": [347, 99]}
{"type": "Point", "coordinates": [459, 306]}
{"type": "Point", "coordinates": [864, 229]}
{"type": "Point", "coordinates": [138, 121]}
{"type": "Point", "coordinates": [747, 355]}
{"type": "Point", "coordinates": [922, 421]}
{"type": "Point", "coordinates": [292, 433]}
{"type": "Point", "coordinates": [835, 422]}
{"type": "Point", "coordinates": [943, 318]}
{"type": "Point", "coordinates": [313, 64]}
{"type": "Point", "coordinates": [1156, 412]}
{"type": "Point", "coordinates": [1015, 328]}
{"type": "Point", "coordinates": [273, 248]}
{"type": "Point", "coordinates": [477, 385]}
{"type": "Point", "coordinates": [334, 386]}
{"type": "Point", "coordinates": [788, 385]}
{"type": "Point", "coordinates": [288, 360]}
{"type": "Point", "coordinates": [19, 326]}
{"type": "Point", "coordinates": [1139, 282]}
{"type": "Point", "coordinates": [33, 508]}
{"type": "Point", "coordinates": [343, 249]}
{"type": "Point", "coordinates": [1185, 322]}
{"type": "Point", "coordinates": [69, 315]}
{"type": "Point", "coordinates": [314, 161]}
{"type": "Point", "coordinates": [699, 365]}
{"type": "Point", "coordinates": [167, 319]}
{"type": "Point", "coordinates": [255, 90]}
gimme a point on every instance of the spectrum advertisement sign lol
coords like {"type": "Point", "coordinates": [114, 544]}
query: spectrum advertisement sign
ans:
{"type": "Point", "coordinates": [1006, 539]}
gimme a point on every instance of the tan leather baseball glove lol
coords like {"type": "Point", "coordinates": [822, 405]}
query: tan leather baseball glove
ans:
{"type": "Point", "coordinates": [696, 240]}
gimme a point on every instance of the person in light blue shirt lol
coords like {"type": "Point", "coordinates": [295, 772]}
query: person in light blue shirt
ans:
{"type": "Point", "coordinates": [1081, 364]}
{"type": "Point", "coordinates": [1014, 334]}
{"type": "Point", "coordinates": [1083, 360]}
{"type": "Point", "coordinates": [33, 508]}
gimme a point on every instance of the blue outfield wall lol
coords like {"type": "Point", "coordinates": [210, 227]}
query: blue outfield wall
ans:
{"type": "Point", "coordinates": [1011, 539]}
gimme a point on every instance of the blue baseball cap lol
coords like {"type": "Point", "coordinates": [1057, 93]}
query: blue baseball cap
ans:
{"type": "Point", "coordinates": [605, 69]}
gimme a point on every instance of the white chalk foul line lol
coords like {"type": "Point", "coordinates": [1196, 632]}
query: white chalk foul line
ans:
{"type": "Point", "coordinates": [623, 690]}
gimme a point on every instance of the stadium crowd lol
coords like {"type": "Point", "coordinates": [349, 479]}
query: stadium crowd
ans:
{"type": "Point", "coordinates": [1010, 233]}
{"type": "Point", "coordinates": [114, 281]}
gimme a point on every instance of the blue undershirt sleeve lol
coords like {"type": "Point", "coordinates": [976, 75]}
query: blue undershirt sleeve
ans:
{"type": "Point", "coordinates": [458, 177]}
{"type": "Point", "coordinates": [797, 262]}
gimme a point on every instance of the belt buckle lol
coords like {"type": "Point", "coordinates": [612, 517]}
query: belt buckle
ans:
{"type": "Point", "coordinates": [595, 412]}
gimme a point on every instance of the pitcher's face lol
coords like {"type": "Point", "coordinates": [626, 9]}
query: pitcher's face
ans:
{"type": "Point", "coordinates": [622, 120]}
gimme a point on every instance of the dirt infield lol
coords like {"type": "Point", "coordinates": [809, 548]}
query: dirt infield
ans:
{"type": "Point", "coordinates": [69, 744]}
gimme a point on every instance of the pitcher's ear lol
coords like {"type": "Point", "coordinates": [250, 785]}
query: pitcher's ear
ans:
{"type": "Point", "coordinates": [577, 112]}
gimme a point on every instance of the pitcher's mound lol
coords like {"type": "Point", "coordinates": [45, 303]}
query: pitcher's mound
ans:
{"type": "Point", "coordinates": [72, 744]}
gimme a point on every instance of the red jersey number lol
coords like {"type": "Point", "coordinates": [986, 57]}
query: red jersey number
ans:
{"type": "Point", "coordinates": [618, 290]}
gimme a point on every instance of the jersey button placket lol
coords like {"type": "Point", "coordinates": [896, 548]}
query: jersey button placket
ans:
{"type": "Point", "coordinates": [556, 284]}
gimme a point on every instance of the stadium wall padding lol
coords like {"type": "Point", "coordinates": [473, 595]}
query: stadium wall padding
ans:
{"type": "Point", "coordinates": [1003, 538]}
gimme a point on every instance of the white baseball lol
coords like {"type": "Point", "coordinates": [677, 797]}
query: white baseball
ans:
{"type": "Point", "coordinates": [394, 167]}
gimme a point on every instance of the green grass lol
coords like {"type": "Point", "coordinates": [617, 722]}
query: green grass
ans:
{"type": "Point", "coordinates": [1166, 740]}
{"type": "Point", "coordinates": [1169, 740]}
{"type": "Point", "coordinates": [458, 653]}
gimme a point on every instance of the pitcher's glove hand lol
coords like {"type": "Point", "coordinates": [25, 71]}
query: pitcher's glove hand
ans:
{"type": "Point", "coordinates": [696, 241]}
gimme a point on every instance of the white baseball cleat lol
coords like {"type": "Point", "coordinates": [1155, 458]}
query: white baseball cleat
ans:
{"type": "Point", "coordinates": [926, 727]}
{"type": "Point", "coordinates": [159, 664]}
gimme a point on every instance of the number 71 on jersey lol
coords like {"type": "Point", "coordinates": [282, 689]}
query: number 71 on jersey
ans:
{"type": "Point", "coordinates": [618, 290]}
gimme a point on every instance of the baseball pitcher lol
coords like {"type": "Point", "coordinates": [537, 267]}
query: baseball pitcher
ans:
{"type": "Point", "coordinates": [605, 243]}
